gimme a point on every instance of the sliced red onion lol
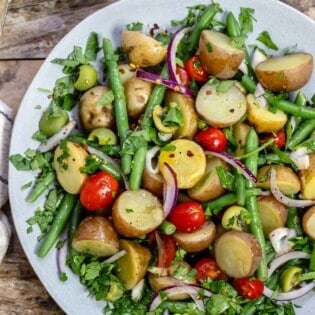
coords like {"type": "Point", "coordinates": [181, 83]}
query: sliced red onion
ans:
{"type": "Point", "coordinates": [54, 140]}
{"type": "Point", "coordinates": [243, 67]}
{"type": "Point", "coordinates": [109, 159]}
{"type": "Point", "coordinates": [151, 154]}
{"type": "Point", "coordinates": [282, 259]}
{"type": "Point", "coordinates": [258, 57]}
{"type": "Point", "coordinates": [280, 239]}
{"type": "Point", "coordinates": [136, 292]}
{"type": "Point", "coordinates": [170, 189]}
{"type": "Point", "coordinates": [294, 294]}
{"type": "Point", "coordinates": [173, 85]}
{"type": "Point", "coordinates": [235, 163]}
{"type": "Point", "coordinates": [61, 257]}
{"type": "Point", "coordinates": [115, 257]}
{"type": "Point", "coordinates": [192, 290]}
{"type": "Point", "coordinates": [171, 53]}
{"type": "Point", "coordinates": [300, 158]}
{"type": "Point", "coordinates": [287, 296]}
{"type": "Point", "coordinates": [284, 199]}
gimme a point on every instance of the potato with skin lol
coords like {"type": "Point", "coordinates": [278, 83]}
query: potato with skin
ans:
{"type": "Point", "coordinates": [152, 182]}
{"type": "Point", "coordinates": [285, 73]}
{"type": "Point", "coordinates": [237, 253]}
{"type": "Point", "coordinates": [136, 213]}
{"type": "Point", "coordinates": [209, 186]}
{"type": "Point", "coordinates": [132, 267]}
{"type": "Point", "coordinates": [96, 235]}
{"type": "Point", "coordinates": [240, 131]}
{"type": "Point", "coordinates": [218, 55]}
{"type": "Point", "coordinates": [187, 160]}
{"type": "Point", "coordinates": [197, 240]}
{"type": "Point", "coordinates": [69, 158]}
{"type": "Point", "coordinates": [308, 222]}
{"type": "Point", "coordinates": [307, 177]}
{"type": "Point", "coordinates": [220, 109]}
{"type": "Point", "coordinates": [93, 115]}
{"type": "Point", "coordinates": [190, 117]}
{"type": "Point", "coordinates": [273, 214]}
{"type": "Point", "coordinates": [287, 180]}
{"type": "Point", "coordinates": [143, 50]}
{"type": "Point", "coordinates": [126, 72]}
{"type": "Point", "coordinates": [263, 119]}
{"type": "Point", "coordinates": [137, 93]}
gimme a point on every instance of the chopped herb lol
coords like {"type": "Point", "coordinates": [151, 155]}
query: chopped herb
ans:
{"type": "Point", "coordinates": [265, 38]}
{"type": "Point", "coordinates": [169, 148]}
{"type": "Point", "coordinates": [135, 26]}
{"type": "Point", "coordinates": [106, 98]}
{"type": "Point", "coordinates": [129, 210]}
{"type": "Point", "coordinates": [92, 47]}
{"type": "Point", "coordinates": [224, 86]}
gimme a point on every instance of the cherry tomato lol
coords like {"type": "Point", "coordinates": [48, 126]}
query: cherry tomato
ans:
{"type": "Point", "coordinates": [212, 139]}
{"type": "Point", "coordinates": [195, 70]}
{"type": "Point", "coordinates": [207, 267]}
{"type": "Point", "coordinates": [279, 139]}
{"type": "Point", "coordinates": [167, 251]}
{"type": "Point", "coordinates": [183, 76]}
{"type": "Point", "coordinates": [249, 288]}
{"type": "Point", "coordinates": [187, 216]}
{"type": "Point", "coordinates": [99, 191]}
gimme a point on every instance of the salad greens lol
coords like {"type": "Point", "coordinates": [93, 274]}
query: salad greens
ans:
{"type": "Point", "coordinates": [126, 161]}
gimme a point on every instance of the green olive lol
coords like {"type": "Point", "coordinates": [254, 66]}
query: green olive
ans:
{"type": "Point", "coordinates": [87, 78]}
{"type": "Point", "coordinates": [157, 116]}
{"type": "Point", "coordinates": [50, 123]}
{"type": "Point", "coordinates": [103, 136]}
{"type": "Point", "coordinates": [232, 218]}
{"type": "Point", "coordinates": [290, 278]}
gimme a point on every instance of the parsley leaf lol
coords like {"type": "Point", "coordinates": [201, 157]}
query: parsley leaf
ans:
{"type": "Point", "coordinates": [264, 37]}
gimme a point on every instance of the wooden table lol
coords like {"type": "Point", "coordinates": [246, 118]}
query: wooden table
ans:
{"type": "Point", "coordinates": [31, 30]}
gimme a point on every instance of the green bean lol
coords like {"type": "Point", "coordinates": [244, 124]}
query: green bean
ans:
{"type": "Point", "coordinates": [156, 98]}
{"type": "Point", "coordinates": [40, 186]}
{"type": "Point", "coordinates": [73, 223]}
{"type": "Point", "coordinates": [305, 129]}
{"type": "Point", "coordinates": [251, 162]}
{"type": "Point", "coordinates": [248, 83]}
{"type": "Point", "coordinates": [232, 25]}
{"type": "Point", "coordinates": [121, 115]}
{"type": "Point", "coordinates": [167, 227]}
{"type": "Point", "coordinates": [57, 225]}
{"type": "Point", "coordinates": [216, 205]}
{"type": "Point", "coordinates": [293, 220]}
{"type": "Point", "coordinates": [300, 99]}
{"type": "Point", "coordinates": [112, 169]}
{"type": "Point", "coordinates": [204, 21]}
{"type": "Point", "coordinates": [240, 189]}
{"type": "Point", "coordinates": [289, 107]}
{"type": "Point", "coordinates": [312, 260]}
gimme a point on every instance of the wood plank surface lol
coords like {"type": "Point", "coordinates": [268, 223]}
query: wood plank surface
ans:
{"type": "Point", "coordinates": [22, 50]}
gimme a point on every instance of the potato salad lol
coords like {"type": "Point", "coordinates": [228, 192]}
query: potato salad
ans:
{"type": "Point", "coordinates": [180, 177]}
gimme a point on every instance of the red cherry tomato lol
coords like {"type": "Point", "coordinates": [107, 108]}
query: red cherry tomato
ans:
{"type": "Point", "coordinates": [212, 139]}
{"type": "Point", "coordinates": [183, 76]}
{"type": "Point", "coordinates": [99, 191]}
{"type": "Point", "coordinates": [187, 216]}
{"type": "Point", "coordinates": [167, 251]}
{"type": "Point", "coordinates": [207, 267]}
{"type": "Point", "coordinates": [249, 288]}
{"type": "Point", "coordinates": [280, 139]}
{"type": "Point", "coordinates": [195, 69]}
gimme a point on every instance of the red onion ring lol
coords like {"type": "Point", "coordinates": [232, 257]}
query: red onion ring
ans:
{"type": "Point", "coordinates": [277, 262]}
{"type": "Point", "coordinates": [284, 199]}
{"type": "Point", "coordinates": [54, 140]}
{"type": "Point", "coordinates": [170, 189]}
{"type": "Point", "coordinates": [235, 163]}
{"type": "Point", "coordinates": [171, 53]}
{"type": "Point", "coordinates": [192, 290]}
{"type": "Point", "coordinates": [157, 79]}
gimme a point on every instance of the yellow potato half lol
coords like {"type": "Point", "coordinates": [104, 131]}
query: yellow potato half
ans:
{"type": "Point", "coordinates": [285, 73]}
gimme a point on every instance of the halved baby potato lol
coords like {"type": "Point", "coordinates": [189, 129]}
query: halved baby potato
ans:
{"type": "Point", "coordinates": [96, 235]}
{"type": "Point", "coordinates": [263, 119]}
{"type": "Point", "coordinates": [137, 212]}
{"type": "Point", "coordinates": [307, 177]}
{"type": "Point", "coordinates": [285, 73]}
{"type": "Point", "coordinates": [218, 55]}
{"type": "Point", "coordinates": [142, 50]}
{"type": "Point", "coordinates": [187, 160]}
{"type": "Point", "coordinates": [308, 222]}
{"type": "Point", "coordinates": [221, 109]}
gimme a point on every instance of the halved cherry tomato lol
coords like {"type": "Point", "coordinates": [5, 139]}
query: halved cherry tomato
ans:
{"type": "Point", "coordinates": [207, 267]}
{"type": "Point", "coordinates": [187, 216]}
{"type": "Point", "coordinates": [183, 76]}
{"type": "Point", "coordinates": [279, 139]}
{"type": "Point", "coordinates": [195, 70]}
{"type": "Point", "coordinates": [99, 191]}
{"type": "Point", "coordinates": [249, 288]}
{"type": "Point", "coordinates": [167, 251]}
{"type": "Point", "coordinates": [212, 139]}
